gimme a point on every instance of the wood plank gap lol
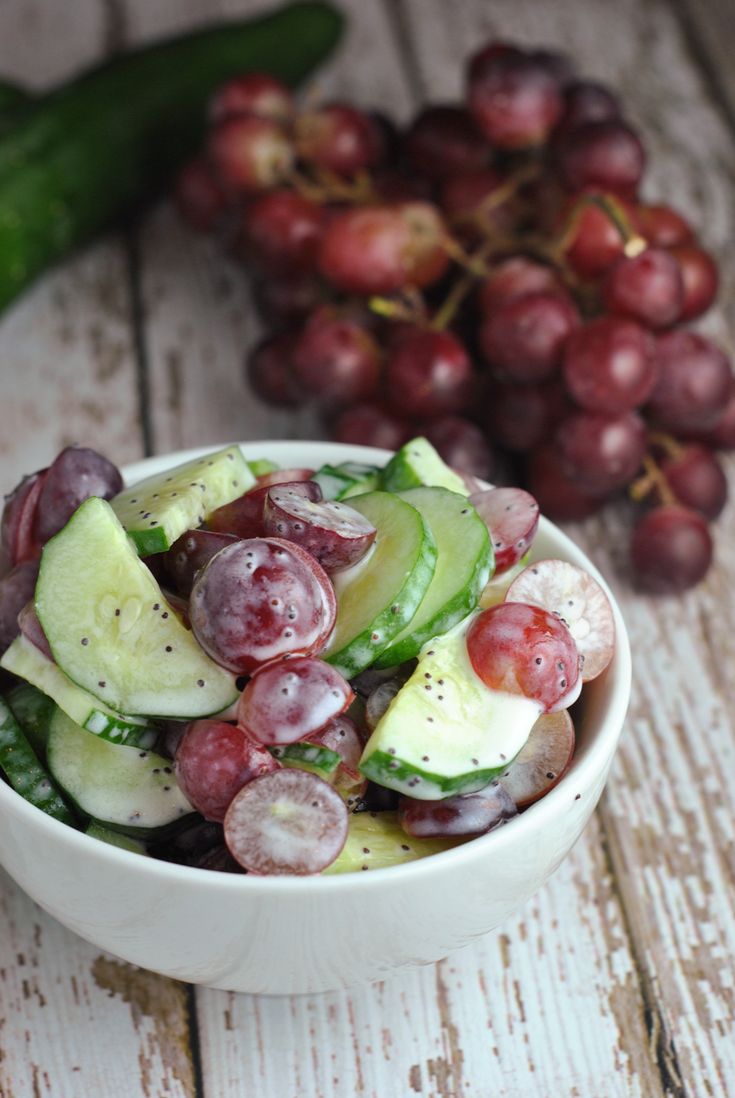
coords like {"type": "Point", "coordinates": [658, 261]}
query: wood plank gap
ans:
{"type": "Point", "coordinates": [131, 244]}
{"type": "Point", "coordinates": [661, 1044]}
{"type": "Point", "coordinates": [704, 58]}
{"type": "Point", "coordinates": [194, 1040]}
{"type": "Point", "coordinates": [397, 16]}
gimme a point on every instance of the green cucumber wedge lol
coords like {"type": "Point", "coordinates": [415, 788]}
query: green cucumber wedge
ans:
{"type": "Point", "coordinates": [111, 630]}
{"type": "Point", "coordinates": [115, 785]}
{"type": "Point", "coordinates": [33, 712]}
{"type": "Point", "coordinates": [445, 732]}
{"type": "Point", "coordinates": [464, 563]}
{"type": "Point", "coordinates": [158, 510]}
{"type": "Point", "coordinates": [26, 775]}
{"type": "Point", "coordinates": [349, 478]}
{"type": "Point", "coordinates": [417, 463]}
{"type": "Point", "coordinates": [115, 838]}
{"type": "Point", "coordinates": [314, 757]}
{"type": "Point", "coordinates": [23, 659]}
{"type": "Point", "coordinates": [376, 840]}
{"type": "Point", "coordinates": [380, 594]}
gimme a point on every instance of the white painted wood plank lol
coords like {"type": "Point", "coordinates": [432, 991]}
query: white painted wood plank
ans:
{"type": "Point", "coordinates": [669, 810]}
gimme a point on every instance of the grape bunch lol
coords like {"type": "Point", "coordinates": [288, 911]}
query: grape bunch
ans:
{"type": "Point", "coordinates": [489, 277]}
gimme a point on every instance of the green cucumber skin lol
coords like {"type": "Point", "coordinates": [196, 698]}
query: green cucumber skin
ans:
{"type": "Point", "coordinates": [80, 156]}
{"type": "Point", "coordinates": [33, 711]}
{"type": "Point", "coordinates": [322, 759]}
{"type": "Point", "coordinates": [395, 773]}
{"type": "Point", "coordinates": [25, 773]}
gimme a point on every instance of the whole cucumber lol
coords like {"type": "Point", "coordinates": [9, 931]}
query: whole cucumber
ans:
{"type": "Point", "coordinates": [80, 156]}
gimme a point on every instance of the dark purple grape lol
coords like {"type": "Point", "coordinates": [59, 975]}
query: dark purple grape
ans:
{"type": "Point", "coordinates": [281, 231]}
{"type": "Point", "coordinates": [671, 550]}
{"type": "Point", "coordinates": [428, 373]}
{"type": "Point", "coordinates": [271, 374]}
{"type": "Point", "coordinates": [336, 359]}
{"type": "Point", "coordinates": [339, 138]}
{"type": "Point", "coordinates": [523, 339]}
{"type": "Point", "coordinates": [648, 287]}
{"type": "Point", "coordinates": [16, 589]}
{"type": "Point", "coordinates": [444, 140]}
{"type": "Point", "coordinates": [515, 99]}
{"type": "Point", "coordinates": [558, 494]}
{"type": "Point", "coordinates": [467, 814]}
{"type": "Point", "coordinates": [588, 101]}
{"type": "Point", "coordinates": [371, 424]}
{"type": "Point", "coordinates": [662, 226]}
{"type": "Point", "coordinates": [515, 277]}
{"type": "Point", "coordinates": [607, 154]}
{"type": "Point", "coordinates": [17, 538]}
{"type": "Point", "coordinates": [461, 444]}
{"type": "Point", "coordinates": [694, 380]}
{"type": "Point", "coordinates": [600, 452]}
{"type": "Point", "coordinates": [700, 278]}
{"type": "Point", "coordinates": [520, 417]}
{"type": "Point", "coordinates": [75, 474]}
{"type": "Point", "coordinates": [287, 299]}
{"type": "Point", "coordinates": [697, 479]}
{"type": "Point", "coordinates": [610, 365]}
{"type": "Point", "coordinates": [190, 553]}
{"type": "Point", "coordinates": [198, 196]}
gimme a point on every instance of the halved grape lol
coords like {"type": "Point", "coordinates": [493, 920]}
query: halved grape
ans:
{"type": "Point", "coordinates": [214, 760]}
{"type": "Point", "coordinates": [286, 822]}
{"type": "Point", "coordinates": [19, 512]}
{"type": "Point", "coordinates": [291, 699]}
{"type": "Point", "coordinates": [512, 517]}
{"type": "Point", "coordinates": [74, 475]}
{"type": "Point", "coordinates": [335, 533]}
{"type": "Point", "coordinates": [189, 553]}
{"type": "Point", "coordinates": [16, 589]}
{"type": "Point", "coordinates": [259, 600]}
{"type": "Point", "coordinates": [577, 598]}
{"type": "Point", "coordinates": [542, 761]}
{"type": "Point", "coordinates": [244, 516]}
{"type": "Point", "coordinates": [522, 649]}
{"type": "Point", "coordinates": [32, 630]}
{"type": "Point", "coordinates": [466, 814]}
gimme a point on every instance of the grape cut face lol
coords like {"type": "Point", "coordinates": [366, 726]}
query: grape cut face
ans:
{"type": "Point", "coordinates": [287, 822]}
{"type": "Point", "coordinates": [291, 699]}
{"type": "Point", "coordinates": [512, 517]}
{"type": "Point", "coordinates": [465, 814]}
{"type": "Point", "coordinates": [334, 533]}
{"type": "Point", "coordinates": [542, 761]}
{"type": "Point", "coordinates": [577, 598]}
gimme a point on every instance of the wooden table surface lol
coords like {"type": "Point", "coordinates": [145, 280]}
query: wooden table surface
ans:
{"type": "Point", "coordinates": [617, 979]}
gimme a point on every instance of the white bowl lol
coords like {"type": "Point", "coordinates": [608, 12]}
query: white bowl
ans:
{"type": "Point", "coordinates": [279, 935]}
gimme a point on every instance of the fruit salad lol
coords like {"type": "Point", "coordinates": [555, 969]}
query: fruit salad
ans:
{"type": "Point", "coordinates": [250, 669]}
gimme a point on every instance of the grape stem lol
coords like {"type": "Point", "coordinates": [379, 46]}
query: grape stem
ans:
{"type": "Point", "coordinates": [667, 443]}
{"type": "Point", "coordinates": [409, 307]}
{"type": "Point", "coordinates": [479, 216]}
{"type": "Point", "coordinates": [652, 480]}
{"type": "Point", "coordinates": [327, 187]}
{"type": "Point", "coordinates": [633, 242]}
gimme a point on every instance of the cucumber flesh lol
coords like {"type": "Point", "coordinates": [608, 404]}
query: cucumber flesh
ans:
{"type": "Point", "coordinates": [24, 772]}
{"type": "Point", "coordinates": [33, 712]}
{"type": "Point", "coordinates": [417, 463]}
{"type": "Point", "coordinates": [158, 510]}
{"type": "Point", "coordinates": [115, 838]}
{"type": "Point", "coordinates": [26, 661]}
{"type": "Point", "coordinates": [301, 755]}
{"type": "Point", "coordinates": [496, 588]}
{"type": "Point", "coordinates": [464, 563]}
{"type": "Point", "coordinates": [349, 478]}
{"type": "Point", "coordinates": [260, 466]}
{"type": "Point", "coordinates": [379, 595]}
{"type": "Point", "coordinates": [138, 657]}
{"type": "Point", "coordinates": [113, 784]}
{"type": "Point", "coordinates": [445, 732]}
{"type": "Point", "coordinates": [376, 840]}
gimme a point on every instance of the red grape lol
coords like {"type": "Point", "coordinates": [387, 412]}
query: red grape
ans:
{"type": "Point", "coordinates": [444, 140]}
{"type": "Point", "coordinates": [17, 587]}
{"type": "Point", "coordinates": [427, 373]}
{"type": "Point", "coordinates": [515, 277]}
{"type": "Point", "coordinates": [522, 649]}
{"type": "Point", "coordinates": [588, 101]}
{"type": "Point", "coordinates": [340, 138]}
{"type": "Point", "coordinates": [558, 494]}
{"type": "Point", "coordinates": [244, 517]}
{"type": "Point", "coordinates": [700, 278]}
{"type": "Point", "coordinates": [466, 198]}
{"type": "Point", "coordinates": [198, 196]}
{"type": "Point", "coordinates": [336, 359]}
{"type": "Point", "coordinates": [73, 476]}
{"type": "Point", "coordinates": [592, 240]}
{"type": "Point", "coordinates": [671, 549]}
{"type": "Point", "coordinates": [542, 761]}
{"type": "Point", "coordinates": [610, 365]}
{"type": "Point", "coordinates": [460, 444]}
{"type": "Point", "coordinates": [281, 231]}
{"type": "Point", "coordinates": [271, 373]}
{"type": "Point", "coordinates": [663, 226]}
{"type": "Point", "coordinates": [287, 298]}
{"type": "Point", "coordinates": [214, 760]}
{"type": "Point", "coordinates": [523, 338]}
{"type": "Point", "coordinates": [371, 424]}
{"type": "Point", "coordinates": [250, 154]}
{"type": "Point", "coordinates": [520, 417]}
{"type": "Point", "coordinates": [289, 821]}
{"type": "Point", "coordinates": [31, 628]}
{"type": "Point", "coordinates": [601, 452]}
{"type": "Point", "coordinates": [693, 384]}
{"type": "Point", "coordinates": [18, 519]}
{"type": "Point", "coordinates": [334, 533]}
{"type": "Point", "coordinates": [697, 480]}
{"type": "Point", "coordinates": [259, 600]}
{"type": "Point", "coordinates": [722, 435]}
{"type": "Point", "coordinates": [515, 100]}
{"type": "Point", "coordinates": [291, 699]}
{"type": "Point", "coordinates": [647, 287]}
{"type": "Point", "coordinates": [466, 814]}
{"type": "Point", "coordinates": [252, 93]}
{"type": "Point", "coordinates": [382, 249]}
{"type": "Point", "coordinates": [607, 154]}
{"type": "Point", "coordinates": [190, 553]}
{"type": "Point", "coordinates": [512, 516]}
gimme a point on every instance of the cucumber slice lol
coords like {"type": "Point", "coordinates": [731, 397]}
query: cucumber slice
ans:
{"type": "Point", "coordinates": [24, 772]}
{"type": "Point", "coordinates": [417, 463]}
{"type": "Point", "coordinates": [114, 784]}
{"type": "Point", "coordinates": [349, 478]}
{"type": "Point", "coordinates": [464, 563]}
{"type": "Point", "coordinates": [376, 840]}
{"type": "Point", "coordinates": [115, 838]}
{"type": "Point", "coordinates": [496, 588]}
{"type": "Point", "coordinates": [379, 595]}
{"type": "Point", "coordinates": [445, 732]}
{"type": "Point", "coordinates": [157, 510]}
{"type": "Point", "coordinates": [29, 663]}
{"type": "Point", "coordinates": [320, 760]}
{"type": "Point", "coordinates": [260, 466]}
{"type": "Point", "coordinates": [111, 630]}
{"type": "Point", "coordinates": [33, 712]}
